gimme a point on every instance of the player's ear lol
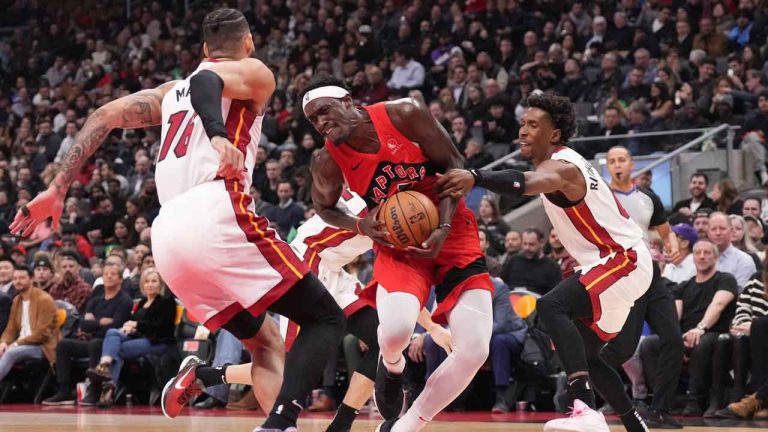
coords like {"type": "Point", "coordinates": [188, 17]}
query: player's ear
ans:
{"type": "Point", "coordinates": [249, 45]}
{"type": "Point", "coordinates": [205, 49]}
{"type": "Point", "coordinates": [555, 138]}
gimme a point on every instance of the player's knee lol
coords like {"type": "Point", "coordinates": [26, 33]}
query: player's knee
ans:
{"type": "Point", "coordinates": [394, 337]}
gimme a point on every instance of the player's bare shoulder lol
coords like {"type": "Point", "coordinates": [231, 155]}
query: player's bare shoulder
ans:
{"type": "Point", "coordinates": [323, 165]}
{"type": "Point", "coordinates": [408, 113]}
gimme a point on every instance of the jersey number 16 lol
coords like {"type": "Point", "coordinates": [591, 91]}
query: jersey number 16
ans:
{"type": "Point", "coordinates": [182, 143]}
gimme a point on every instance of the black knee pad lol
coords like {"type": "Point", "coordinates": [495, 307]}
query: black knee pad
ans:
{"type": "Point", "coordinates": [244, 325]}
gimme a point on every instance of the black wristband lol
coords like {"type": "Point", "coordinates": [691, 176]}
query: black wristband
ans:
{"type": "Point", "coordinates": [206, 88]}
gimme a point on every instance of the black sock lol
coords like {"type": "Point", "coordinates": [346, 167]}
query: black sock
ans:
{"type": "Point", "coordinates": [343, 420]}
{"type": "Point", "coordinates": [211, 376]}
{"type": "Point", "coordinates": [283, 415]}
{"type": "Point", "coordinates": [582, 390]}
{"type": "Point", "coordinates": [633, 422]}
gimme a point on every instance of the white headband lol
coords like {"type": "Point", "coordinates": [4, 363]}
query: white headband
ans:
{"type": "Point", "coordinates": [326, 91]}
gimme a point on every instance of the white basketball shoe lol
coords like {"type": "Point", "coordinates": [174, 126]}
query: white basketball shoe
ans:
{"type": "Point", "coordinates": [582, 419]}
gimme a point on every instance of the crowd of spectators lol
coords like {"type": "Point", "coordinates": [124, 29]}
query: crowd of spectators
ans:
{"type": "Point", "coordinates": [630, 66]}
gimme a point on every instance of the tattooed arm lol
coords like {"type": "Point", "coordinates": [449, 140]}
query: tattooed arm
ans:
{"type": "Point", "coordinates": [139, 110]}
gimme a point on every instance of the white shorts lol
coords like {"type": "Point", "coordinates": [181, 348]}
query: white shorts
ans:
{"type": "Point", "coordinates": [614, 286]}
{"type": "Point", "coordinates": [220, 258]}
{"type": "Point", "coordinates": [343, 287]}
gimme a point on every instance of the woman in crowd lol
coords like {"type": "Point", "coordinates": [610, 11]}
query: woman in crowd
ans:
{"type": "Point", "coordinates": [489, 218]}
{"type": "Point", "coordinates": [725, 194]}
{"type": "Point", "coordinates": [741, 240]}
{"type": "Point", "coordinates": [149, 331]}
{"type": "Point", "coordinates": [732, 351]}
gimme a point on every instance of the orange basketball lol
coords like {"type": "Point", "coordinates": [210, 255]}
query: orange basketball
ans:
{"type": "Point", "coordinates": [410, 218]}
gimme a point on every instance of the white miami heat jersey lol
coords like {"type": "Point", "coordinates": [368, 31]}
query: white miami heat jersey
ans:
{"type": "Point", "coordinates": [597, 227]}
{"type": "Point", "coordinates": [186, 157]}
{"type": "Point", "coordinates": [316, 240]}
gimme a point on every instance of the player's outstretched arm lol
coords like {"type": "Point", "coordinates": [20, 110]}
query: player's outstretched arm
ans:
{"type": "Point", "coordinates": [550, 176]}
{"type": "Point", "coordinates": [138, 110]}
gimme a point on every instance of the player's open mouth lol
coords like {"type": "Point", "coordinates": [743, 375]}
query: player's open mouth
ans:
{"type": "Point", "coordinates": [327, 131]}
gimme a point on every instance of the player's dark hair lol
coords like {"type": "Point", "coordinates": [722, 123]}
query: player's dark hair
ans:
{"type": "Point", "coordinates": [223, 29]}
{"type": "Point", "coordinates": [560, 110]}
{"type": "Point", "coordinates": [321, 81]}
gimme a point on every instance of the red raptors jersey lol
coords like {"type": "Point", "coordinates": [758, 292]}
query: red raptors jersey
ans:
{"type": "Point", "coordinates": [398, 165]}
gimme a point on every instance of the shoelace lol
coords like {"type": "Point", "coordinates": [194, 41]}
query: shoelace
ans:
{"type": "Point", "coordinates": [576, 412]}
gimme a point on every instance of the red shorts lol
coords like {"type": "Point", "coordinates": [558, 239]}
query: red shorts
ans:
{"type": "Point", "coordinates": [460, 266]}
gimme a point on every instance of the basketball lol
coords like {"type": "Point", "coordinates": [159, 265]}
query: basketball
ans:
{"type": "Point", "coordinates": [410, 218]}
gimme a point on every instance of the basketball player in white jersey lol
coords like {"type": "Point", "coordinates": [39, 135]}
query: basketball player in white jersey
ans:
{"type": "Point", "coordinates": [592, 306]}
{"type": "Point", "coordinates": [327, 249]}
{"type": "Point", "coordinates": [657, 305]}
{"type": "Point", "coordinates": [219, 258]}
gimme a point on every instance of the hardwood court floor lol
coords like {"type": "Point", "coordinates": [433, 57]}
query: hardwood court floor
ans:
{"type": "Point", "coordinates": [31, 418]}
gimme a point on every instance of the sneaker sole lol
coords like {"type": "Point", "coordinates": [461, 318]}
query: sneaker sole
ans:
{"type": "Point", "coordinates": [67, 402]}
{"type": "Point", "coordinates": [168, 385]}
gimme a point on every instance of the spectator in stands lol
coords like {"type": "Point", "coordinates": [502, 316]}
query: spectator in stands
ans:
{"type": "Point", "coordinates": [561, 256]}
{"type": "Point", "coordinates": [6, 276]}
{"type": "Point", "coordinates": [494, 266]}
{"type": "Point", "coordinates": [741, 240]}
{"type": "Point", "coordinates": [460, 133]}
{"type": "Point", "coordinates": [611, 126]}
{"type": "Point", "coordinates": [640, 122]}
{"type": "Point", "coordinates": [758, 118]}
{"type": "Point", "coordinates": [108, 307]}
{"type": "Point", "coordinates": [699, 199]}
{"type": "Point", "coordinates": [751, 207]}
{"type": "Point", "coordinates": [686, 238]}
{"type": "Point", "coordinates": [730, 259]}
{"type": "Point", "coordinates": [32, 330]}
{"type": "Point", "coordinates": [476, 156]}
{"type": "Point", "coordinates": [408, 73]}
{"type": "Point", "coordinates": [755, 229]}
{"type": "Point", "coordinates": [70, 286]}
{"type": "Point", "coordinates": [288, 213]}
{"type": "Point", "coordinates": [531, 269]}
{"type": "Point", "coordinates": [5, 310]}
{"type": "Point", "coordinates": [43, 274]}
{"type": "Point", "coordinates": [499, 126]}
{"type": "Point", "coordinates": [753, 405]}
{"type": "Point", "coordinates": [608, 81]}
{"type": "Point", "coordinates": [741, 33]}
{"type": "Point", "coordinates": [726, 197]}
{"type": "Point", "coordinates": [683, 39]}
{"type": "Point", "coordinates": [636, 87]}
{"type": "Point", "coordinates": [709, 40]}
{"type": "Point", "coordinates": [705, 307]}
{"type": "Point", "coordinates": [574, 85]}
{"type": "Point", "coordinates": [148, 331]}
{"type": "Point", "coordinates": [489, 218]}
{"type": "Point", "coordinates": [513, 244]}
{"type": "Point", "coordinates": [689, 117]}
{"type": "Point", "coordinates": [273, 176]}
{"type": "Point", "coordinates": [375, 88]}
{"type": "Point", "coordinates": [507, 342]}
{"type": "Point", "coordinates": [733, 348]}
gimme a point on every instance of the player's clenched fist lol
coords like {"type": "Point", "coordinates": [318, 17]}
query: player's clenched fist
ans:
{"type": "Point", "coordinates": [231, 161]}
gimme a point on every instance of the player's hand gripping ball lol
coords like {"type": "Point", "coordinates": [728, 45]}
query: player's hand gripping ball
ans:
{"type": "Point", "coordinates": [410, 217]}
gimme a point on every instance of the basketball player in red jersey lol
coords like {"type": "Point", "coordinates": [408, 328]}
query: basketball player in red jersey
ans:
{"type": "Point", "coordinates": [592, 306]}
{"type": "Point", "coordinates": [218, 257]}
{"type": "Point", "coordinates": [379, 150]}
